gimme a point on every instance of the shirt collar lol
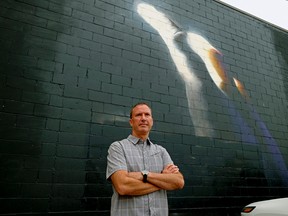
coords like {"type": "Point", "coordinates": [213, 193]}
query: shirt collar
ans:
{"type": "Point", "coordinates": [135, 140]}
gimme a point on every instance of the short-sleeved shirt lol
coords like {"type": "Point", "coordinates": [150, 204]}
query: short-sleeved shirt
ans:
{"type": "Point", "coordinates": [133, 155]}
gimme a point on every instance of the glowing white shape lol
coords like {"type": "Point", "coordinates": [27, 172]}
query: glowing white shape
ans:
{"type": "Point", "coordinates": [169, 32]}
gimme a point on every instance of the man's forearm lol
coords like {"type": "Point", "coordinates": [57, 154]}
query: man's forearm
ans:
{"type": "Point", "coordinates": [170, 181]}
{"type": "Point", "coordinates": [140, 188]}
{"type": "Point", "coordinates": [131, 184]}
{"type": "Point", "coordinates": [167, 181]}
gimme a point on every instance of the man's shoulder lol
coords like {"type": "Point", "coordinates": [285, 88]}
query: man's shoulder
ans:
{"type": "Point", "coordinates": [157, 146]}
{"type": "Point", "coordinates": [122, 142]}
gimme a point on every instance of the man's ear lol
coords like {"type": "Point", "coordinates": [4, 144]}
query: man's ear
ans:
{"type": "Point", "coordinates": [130, 122]}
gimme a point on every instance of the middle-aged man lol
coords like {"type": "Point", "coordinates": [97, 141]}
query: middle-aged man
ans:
{"type": "Point", "coordinates": [141, 172]}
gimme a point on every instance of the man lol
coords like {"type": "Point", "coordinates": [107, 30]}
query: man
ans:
{"type": "Point", "coordinates": [141, 172]}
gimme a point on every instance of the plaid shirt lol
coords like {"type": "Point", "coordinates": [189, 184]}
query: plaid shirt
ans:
{"type": "Point", "coordinates": [132, 155]}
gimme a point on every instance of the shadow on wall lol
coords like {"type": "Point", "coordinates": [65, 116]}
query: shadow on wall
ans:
{"type": "Point", "coordinates": [30, 104]}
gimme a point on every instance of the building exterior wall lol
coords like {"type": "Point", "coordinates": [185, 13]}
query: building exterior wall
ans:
{"type": "Point", "coordinates": [215, 78]}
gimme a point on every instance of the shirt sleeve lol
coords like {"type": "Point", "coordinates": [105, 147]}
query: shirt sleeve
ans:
{"type": "Point", "coordinates": [166, 157]}
{"type": "Point", "coordinates": [115, 159]}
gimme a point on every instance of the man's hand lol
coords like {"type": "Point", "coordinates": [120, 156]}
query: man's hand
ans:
{"type": "Point", "coordinates": [169, 179]}
{"type": "Point", "coordinates": [170, 169]}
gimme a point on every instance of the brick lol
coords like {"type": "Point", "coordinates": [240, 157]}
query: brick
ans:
{"type": "Point", "coordinates": [93, 10]}
{"type": "Point", "coordinates": [50, 88]}
{"type": "Point", "coordinates": [65, 204]}
{"type": "Point", "coordinates": [53, 47]}
{"type": "Point", "coordinates": [10, 93]}
{"type": "Point", "coordinates": [150, 96]}
{"type": "Point", "coordinates": [47, 111]}
{"type": "Point", "coordinates": [150, 61]}
{"type": "Point", "coordinates": [100, 96]}
{"type": "Point", "coordinates": [21, 83]}
{"type": "Point", "coordinates": [104, 5]}
{"type": "Point", "coordinates": [27, 18]}
{"type": "Point", "coordinates": [115, 132]}
{"type": "Point", "coordinates": [47, 15]}
{"type": "Point", "coordinates": [48, 149]}
{"type": "Point", "coordinates": [47, 135]}
{"type": "Point", "coordinates": [119, 43]}
{"type": "Point", "coordinates": [85, 34]}
{"type": "Point", "coordinates": [32, 190]}
{"type": "Point", "coordinates": [159, 89]}
{"type": "Point", "coordinates": [111, 88]}
{"type": "Point", "coordinates": [77, 51]}
{"type": "Point", "coordinates": [75, 92]}
{"type": "Point", "coordinates": [62, 79]}
{"type": "Point", "coordinates": [37, 74]}
{"type": "Point", "coordinates": [101, 142]}
{"type": "Point", "coordinates": [110, 68]}
{"type": "Point", "coordinates": [100, 118]}
{"type": "Point", "coordinates": [82, 16]}
{"type": "Point", "coordinates": [56, 100]}
{"type": "Point", "coordinates": [131, 55]}
{"type": "Point", "coordinates": [176, 119]}
{"type": "Point", "coordinates": [79, 104]}
{"type": "Point", "coordinates": [90, 64]}
{"type": "Point", "coordinates": [121, 100]}
{"type": "Point", "coordinates": [74, 70]}
{"type": "Point", "coordinates": [114, 109]}
{"type": "Point", "coordinates": [71, 151]}
{"type": "Point", "coordinates": [7, 119]}
{"type": "Point", "coordinates": [70, 164]}
{"type": "Point", "coordinates": [68, 39]}
{"type": "Point", "coordinates": [74, 138]}
{"type": "Point", "coordinates": [60, 9]}
{"type": "Point", "coordinates": [73, 126]}
{"type": "Point", "coordinates": [132, 92]}
{"type": "Point", "coordinates": [70, 177]}
{"type": "Point", "coordinates": [9, 190]}
{"type": "Point", "coordinates": [18, 107]}
{"type": "Point", "coordinates": [20, 145]}
{"type": "Point", "coordinates": [91, 45]}
{"type": "Point", "coordinates": [120, 80]}
{"type": "Point", "coordinates": [96, 129]}
{"type": "Point", "coordinates": [36, 97]}
{"type": "Point", "coordinates": [55, 26]}
{"type": "Point", "coordinates": [113, 17]}
{"type": "Point", "coordinates": [111, 50]}
{"type": "Point", "coordinates": [32, 165]}
{"type": "Point", "coordinates": [89, 84]}
{"type": "Point", "coordinates": [30, 122]}
{"type": "Point", "coordinates": [68, 191]}
{"type": "Point", "coordinates": [43, 33]}
{"type": "Point", "coordinates": [66, 59]}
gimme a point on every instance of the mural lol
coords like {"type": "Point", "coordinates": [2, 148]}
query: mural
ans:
{"type": "Point", "coordinates": [70, 72]}
{"type": "Point", "coordinates": [174, 37]}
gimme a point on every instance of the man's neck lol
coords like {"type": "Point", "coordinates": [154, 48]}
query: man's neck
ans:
{"type": "Point", "coordinates": [142, 137]}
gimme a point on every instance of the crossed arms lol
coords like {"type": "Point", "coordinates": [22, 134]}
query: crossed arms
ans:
{"type": "Point", "coordinates": [131, 183]}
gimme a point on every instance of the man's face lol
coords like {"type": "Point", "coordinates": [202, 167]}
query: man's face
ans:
{"type": "Point", "coordinates": [141, 121]}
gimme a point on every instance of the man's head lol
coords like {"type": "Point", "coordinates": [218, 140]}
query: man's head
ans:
{"type": "Point", "coordinates": [141, 120]}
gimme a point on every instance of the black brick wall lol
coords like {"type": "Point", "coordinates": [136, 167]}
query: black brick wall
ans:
{"type": "Point", "coordinates": [70, 71]}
